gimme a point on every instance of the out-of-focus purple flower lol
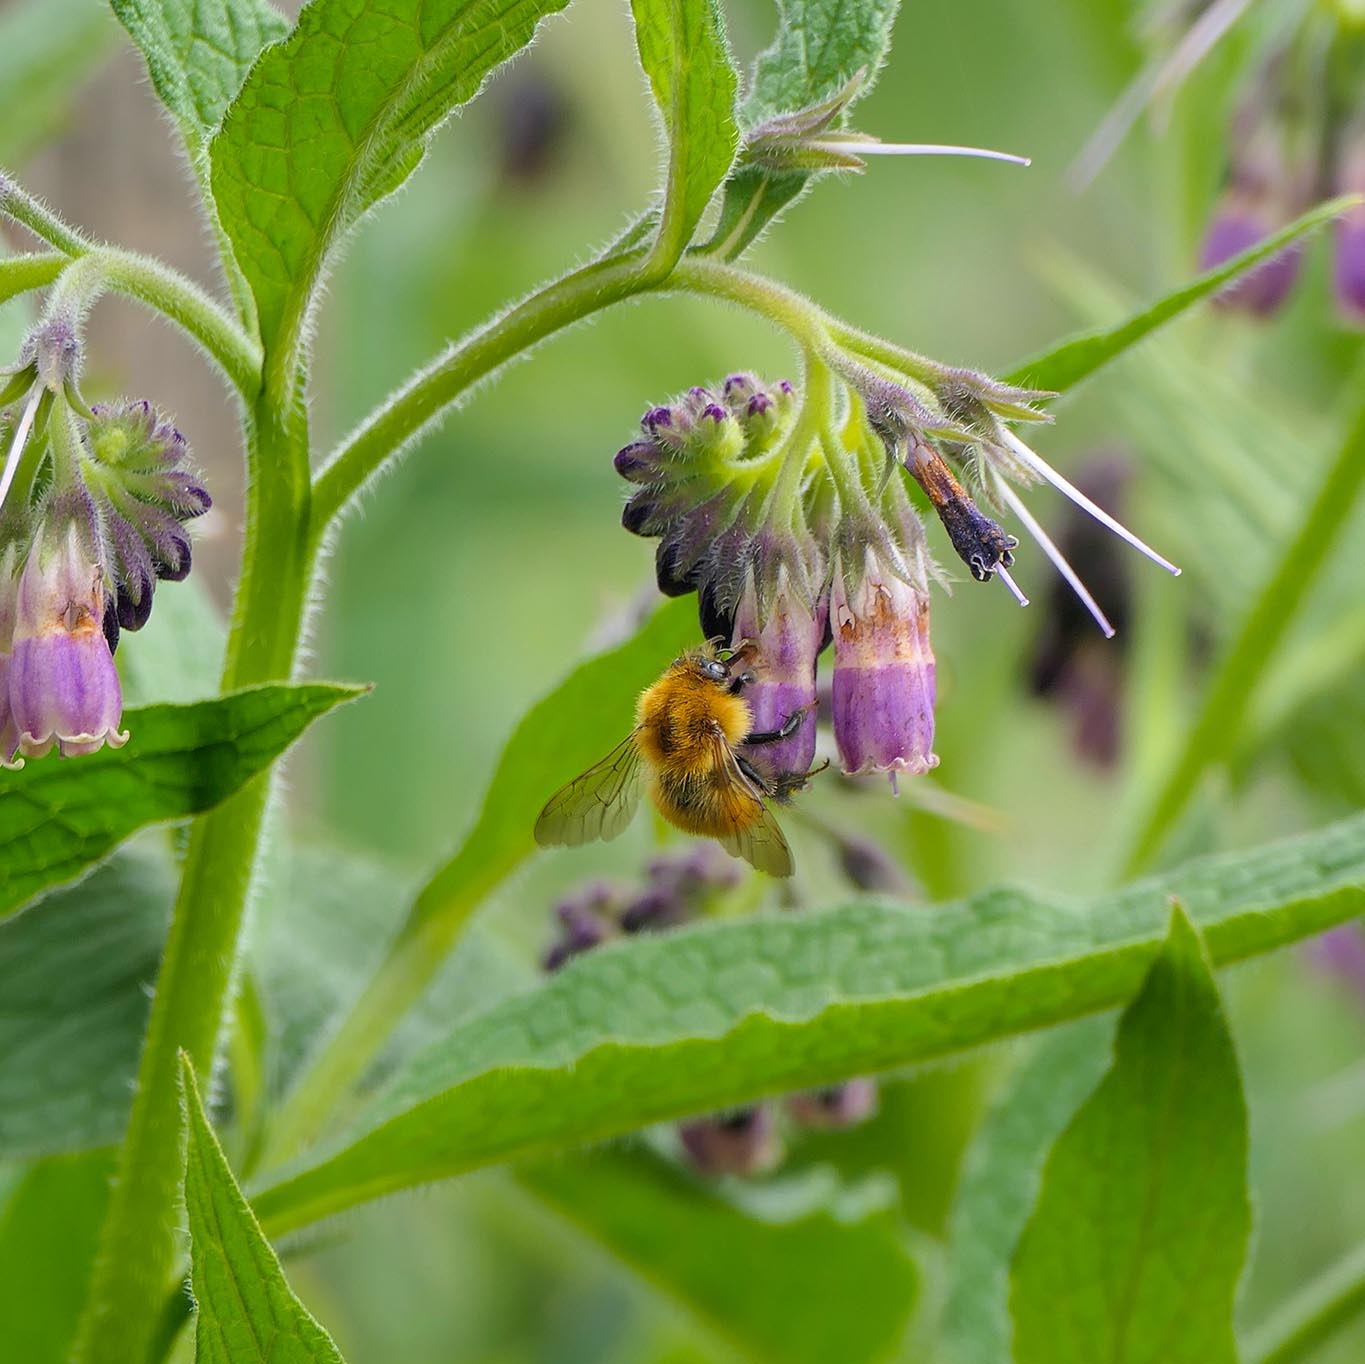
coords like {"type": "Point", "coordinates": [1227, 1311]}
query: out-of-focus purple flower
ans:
{"type": "Point", "coordinates": [884, 673]}
{"type": "Point", "coordinates": [1239, 223]}
{"type": "Point", "coordinates": [1341, 953]}
{"type": "Point", "coordinates": [868, 866]}
{"type": "Point", "coordinates": [63, 687]}
{"type": "Point", "coordinates": [843, 1105]}
{"type": "Point", "coordinates": [584, 923]}
{"type": "Point", "coordinates": [1348, 256]}
{"type": "Point", "coordinates": [1071, 666]}
{"type": "Point", "coordinates": [744, 1142]}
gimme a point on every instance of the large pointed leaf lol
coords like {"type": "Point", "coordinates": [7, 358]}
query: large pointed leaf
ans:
{"type": "Point", "coordinates": [1065, 365]}
{"type": "Point", "coordinates": [801, 1271]}
{"type": "Point", "coordinates": [77, 975]}
{"type": "Point", "coordinates": [247, 1313]}
{"type": "Point", "coordinates": [198, 53]}
{"type": "Point", "coordinates": [821, 45]}
{"type": "Point", "coordinates": [49, 1226]}
{"type": "Point", "coordinates": [332, 119]}
{"type": "Point", "coordinates": [718, 1014]}
{"type": "Point", "coordinates": [1000, 1184]}
{"type": "Point", "coordinates": [1137, 1240]}
{"type": "Point", "coordinates": [58, 817]}
{"type": "Point", "coordinates": [684, 55]}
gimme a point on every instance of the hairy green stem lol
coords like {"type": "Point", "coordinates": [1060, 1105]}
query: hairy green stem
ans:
{"type": "Point", "coordinates": [1312, 1315]}
{"type": "Point", "coordinates": [187, 305]}
{"type": "Point", "coordinates": [1213, 736]}
{"type": "Point", "coordinates": [33, 214]}
{"type": "Point", "coordinates": [19, 274]}
{"type": "Point", "coordinates": [139, 277]}
{"type": "Point", "coordinates": [193, 992]}
{"type": "Point", "coordinates": [429, 394]}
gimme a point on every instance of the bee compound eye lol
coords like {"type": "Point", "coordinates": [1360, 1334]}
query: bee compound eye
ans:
{"type": "Point", "coordinates": [717, 670]}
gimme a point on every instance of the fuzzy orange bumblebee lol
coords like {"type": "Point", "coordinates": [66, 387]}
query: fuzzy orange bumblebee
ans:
{"type": "Point", "coordinates": [689, 726]}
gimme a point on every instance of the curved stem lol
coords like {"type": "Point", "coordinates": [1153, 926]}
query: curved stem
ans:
{"type": "Point", "coordinates": [425, 398]}
{"type": "Point", "coordinates": [137, 1248]}
{"type": "Point", "coordinates": [1213, 735]}
{"type": "Point", "coordinates": [33, 214]}
{"type": "Point", "coordinates": [140, 277]}
{"type": "Point", "coordinates": [183, 302]}
{"type": "Point", "coordinates": [1312, 1315]}
{"type": "Point", "coordinates": [19, 274]}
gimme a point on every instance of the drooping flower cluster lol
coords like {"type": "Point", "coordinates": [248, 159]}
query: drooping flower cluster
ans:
{"type": "Point", "coordinates": [679, 890]}
{"type": "Point", "coordinates": [787, 516]}
{"type": "Point", "coordinates": [93, 503]}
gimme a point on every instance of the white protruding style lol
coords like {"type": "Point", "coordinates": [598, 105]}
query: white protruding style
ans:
{"type": "Point", "coordinates": [1049, 547]}
{"type": "Point", "coordinates": [1044, 470]}
{"type": "Point", "coordinates": [16, 448]}
{"type": "Point", "coordinates": [999, 571]}
{"type": "Point", "coordinates": [840, 147]}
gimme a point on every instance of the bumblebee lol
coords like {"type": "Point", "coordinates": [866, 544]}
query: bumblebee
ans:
{"type": "Point", "coordinates": [689, 727]}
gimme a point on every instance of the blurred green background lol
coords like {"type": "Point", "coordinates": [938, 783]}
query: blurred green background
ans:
{"type": "Point", "coordinates": [484, 566]}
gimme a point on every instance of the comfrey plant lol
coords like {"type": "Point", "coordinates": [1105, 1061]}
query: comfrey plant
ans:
{"type": "Point", "coordinates": [793, 511]}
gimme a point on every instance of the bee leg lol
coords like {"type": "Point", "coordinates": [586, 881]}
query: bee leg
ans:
{"type": "Point", "coordinates": [789, 727]}
{"type": "Point", "coordinates": [740, 681]}
{"type": "Point", "coordinates": [754, 776]}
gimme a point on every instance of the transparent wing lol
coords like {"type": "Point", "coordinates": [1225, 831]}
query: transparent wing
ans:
{"type": "Point", "coordinates": [599, 804]}
{"type": "Point", "coordinates": [757, 839]}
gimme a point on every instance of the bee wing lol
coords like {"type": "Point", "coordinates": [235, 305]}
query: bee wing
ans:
{"type": "Point", "coordinates": [759, 840]}
{"type": "Point", "coordinates": [599, 804]}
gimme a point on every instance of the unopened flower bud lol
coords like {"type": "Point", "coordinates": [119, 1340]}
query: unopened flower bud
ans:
{"type": "Point", "coordinates": [843, 1105]}
{"type": "Point", "coordinates": [741, 1143]}
{"type": "Point", "coordinates": [138, 469]}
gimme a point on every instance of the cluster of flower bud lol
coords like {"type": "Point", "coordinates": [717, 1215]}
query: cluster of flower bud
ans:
{"type": "Point", "coordinates": [778, 563]}
{"type": "Point", "coordinates": [798, 533]}
{"type": "Point", "coordinates": [93, 505]}
{"type": "Point", "coordinates": [678, 890]}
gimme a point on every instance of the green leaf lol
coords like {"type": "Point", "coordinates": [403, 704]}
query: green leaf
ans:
{"type": "Point", "coordinates": [47, 50]}
{"type": "Point", "coordinates": [59, 817]}
{"type": "Point", "coordinates": [723, 1012]}
{"type": "Point", "coordinates": [684, 54]}
{"type": "Point", "coordinates": [578, 723]}
{"type": "Point", "coordinates": [77, 975]}
{"type": "Point", "coordinates": [1134, 1249]}
{"type": "Point", "coordinates": [801, 1271]}
{"type": "Point", "coordinates": [821, 45]}
{"type": "Point", "coordinates": [1000, 1183]}
{"type": "Point", "coordinates": [1065, 365]}
{"type": "Point", "coordinates": [49, 1228]}
{"type": "Point", "coordinates": [247, 1313]}
{"type": "Point", "coordinates": [333, 118]}
{"type": "Point", "coordinates": [198, 53]}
